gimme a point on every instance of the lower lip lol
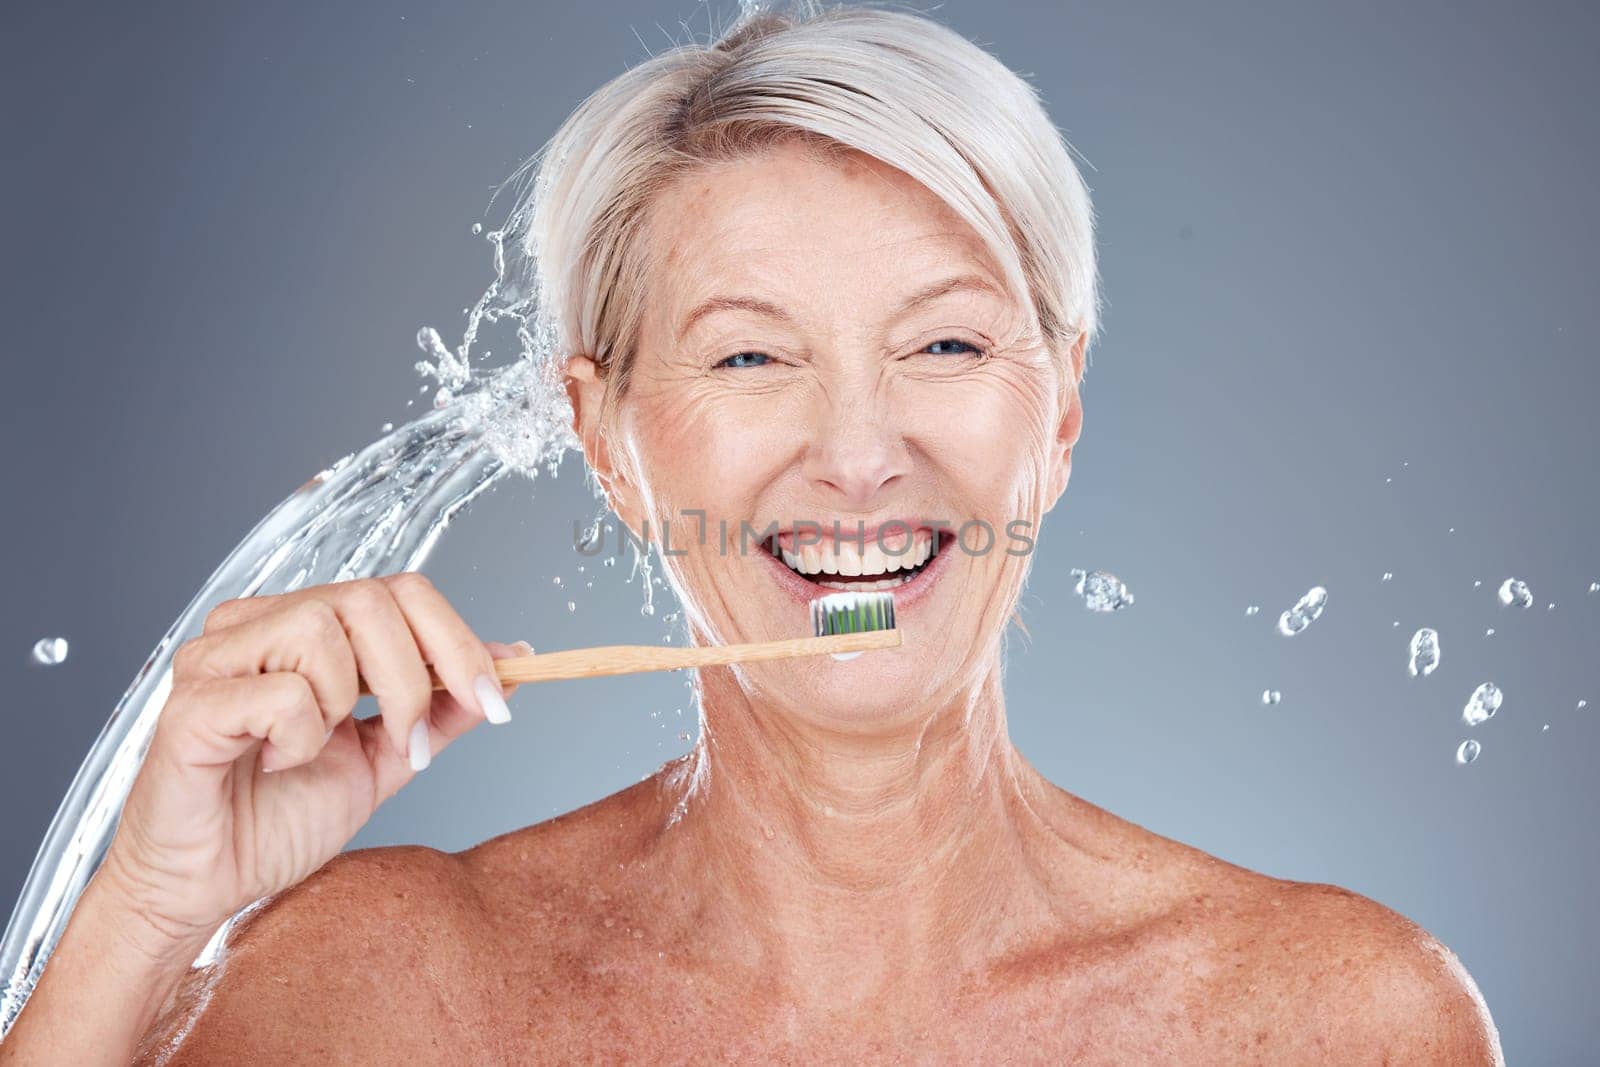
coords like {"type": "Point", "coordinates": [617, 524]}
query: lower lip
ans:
{"type": "Point", "coordinates": [905, 594]}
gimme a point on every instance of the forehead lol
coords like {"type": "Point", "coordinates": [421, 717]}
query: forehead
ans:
{"type": "Point", "coordinates": [795, 212]}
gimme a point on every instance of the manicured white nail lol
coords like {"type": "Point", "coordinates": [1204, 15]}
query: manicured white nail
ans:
{"type": "Point", "coordinates": [419, 747]}
{"type": "Point", "coordinates": [489, 699]}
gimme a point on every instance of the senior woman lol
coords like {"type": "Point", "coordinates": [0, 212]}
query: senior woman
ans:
{"type": "Point", "coordinates": [836, 267]}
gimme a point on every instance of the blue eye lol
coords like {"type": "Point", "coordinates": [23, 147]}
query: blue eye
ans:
{"type": "Point", "coordinates": [950, 347]}
{"type": "Point", "coordinates": [745, 359]}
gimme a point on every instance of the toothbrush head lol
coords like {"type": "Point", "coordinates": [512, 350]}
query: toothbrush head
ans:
{"type": "Point", "coordinates": [852, 613]}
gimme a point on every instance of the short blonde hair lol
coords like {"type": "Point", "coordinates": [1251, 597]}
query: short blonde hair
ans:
{"type": "Point", "coordinates": [895, 86]}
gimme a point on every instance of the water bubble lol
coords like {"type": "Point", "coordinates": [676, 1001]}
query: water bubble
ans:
{"type": "Point", "coordinates": [1482, 705]}
{"type": "Point", "coordinates": [1101, 590]}
{"type": "Point", "coordinates": [50, 651]}
{"type": "Point", "coordinates": [1424, 652]}
{"type": "Point", "coordinates": [1304, 613]}
{"type": "Point", "coordinates": [1515, 591]}
{"type": "Point", "coordinates": [1388, 576]}
{"type": "Point", "coordinates": [1270, 696]}
{"type": "Point", "coordinates": [572, 606]}
{"type": "Point", "coordinates": [477, 228]}
{"type": "Point", "coordinates": [1253, 609]}
{"type": "Point", "coordinates": [1468, 751]}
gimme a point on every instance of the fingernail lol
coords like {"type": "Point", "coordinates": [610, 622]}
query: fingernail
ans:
{"type": "Point", "coordinates": [493, 704]}
{"type": "Point", "coordinates": [419, 747]}
{"type": "Point", "coordinates": [326, 736]}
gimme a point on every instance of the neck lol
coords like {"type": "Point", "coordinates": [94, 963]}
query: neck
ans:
{"type": "Point", "coordinates": [847, 859]}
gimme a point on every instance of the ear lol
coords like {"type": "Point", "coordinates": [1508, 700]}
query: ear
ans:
{"type": "Point", "coordinates": [1068, 429]}
{"type": "Point", "coordinates": [586, 390]}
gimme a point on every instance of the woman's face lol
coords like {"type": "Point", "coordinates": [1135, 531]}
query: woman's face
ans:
{"type": "Point", "coordinates": [825, 341]}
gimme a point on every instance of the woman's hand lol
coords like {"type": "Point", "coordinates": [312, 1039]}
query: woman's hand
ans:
{"type": "Point", "coordinates": [258, 773]}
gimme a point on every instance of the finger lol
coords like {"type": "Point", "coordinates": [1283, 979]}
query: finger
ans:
{"type": "Point", "coordinates": [306, 637]}
{"type": "Point", "coordinates": [388, 658]}
{"type": "Point", "coordinates": [214, 721]}
{"type": "Point", "coordinates": [450, 718]}
{"type": "Point", "coordinates": [461, 660]}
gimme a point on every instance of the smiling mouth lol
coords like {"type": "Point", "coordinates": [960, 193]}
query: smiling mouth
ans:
{"type": "Point", "coordinates": [857, 568]}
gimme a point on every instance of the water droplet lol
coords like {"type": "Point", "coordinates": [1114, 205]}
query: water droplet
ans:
{"type": "Point", "coordinates": [386, 427]}
{"type": "Point", "coordinates": [1546, 726]}
{"type": "Point", "coordinates": [1101, 590]}
{"type": "Point", "coordinates": [1304, 613]}
{"type": "Point", "coordinates": [683, 735]}
{"type": "Point", "coordinates": [572, 606]}
{"type": "Point", "coordinates": [1489, 632]}
{"type": "Point", "coordinates": [1468, 751]}
{"type": "Point", "coordinates": [1551, 606]}
{"type": "Point", "coordinates": [1270, 696]}
{"type": "Point", "coordinates": [50, 651]}
{"type": "Point", "coordinates": [1388, 576]}
{"type": "Point", "coordinates": [1424, 652]}
{"type": "Point", "coordinates": [556, 579]}
{"type": "Point", "coordinates": [477, 228]}
{"type": "Point", "coordinates": [647, 609]}
{"type": "Point", "coordinates": [1388, 481]}
{"type": "Point", "coordinates": [580, 568]}
{"type": "Point", "coordinates": [1515, 591]}
{"type": "Point", "coordinates": [671, 616]}
{"type": "Point", "coordinates": [1594, 587]}
{"type": "Point", "coordinates": [1582, 704]}
{"type": "Point", "coordinates": [611, 561]}
{"type": "Point", "coordinates": [1482, 705]}
{"type": "Point", "coordinates": [1253, 609]}
{"type": "Point", "coordinates": [1477, 583]}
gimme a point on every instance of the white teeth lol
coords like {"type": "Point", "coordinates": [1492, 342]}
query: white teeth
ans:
{"type": "Point", "coordinates": [869, 587]}
{"type": "Point", "coordinates": [847, 559]}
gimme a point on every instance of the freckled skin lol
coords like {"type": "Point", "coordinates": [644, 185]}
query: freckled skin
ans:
{"type": "Point", "coordinates": [855, 864]}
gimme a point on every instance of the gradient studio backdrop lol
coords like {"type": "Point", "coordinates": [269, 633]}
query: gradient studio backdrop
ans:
{"type": "Point", "coordinates": [1348, 257]}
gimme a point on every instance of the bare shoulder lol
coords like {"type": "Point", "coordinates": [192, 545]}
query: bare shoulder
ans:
{"type": "Point", "coordinates": [365, 957]}
{"type": "Point", "coordinates": [1341, 974]}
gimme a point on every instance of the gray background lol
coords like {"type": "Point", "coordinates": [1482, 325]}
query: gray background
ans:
{"type": "Point", "coordinates": [1343, 243]}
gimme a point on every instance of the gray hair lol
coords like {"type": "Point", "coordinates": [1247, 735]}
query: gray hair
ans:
{"type": "Point", "coordinates": [895, 86]}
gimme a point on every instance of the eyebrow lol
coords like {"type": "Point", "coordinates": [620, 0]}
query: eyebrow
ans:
{"type": "Point", "coordinates": [767, 309]}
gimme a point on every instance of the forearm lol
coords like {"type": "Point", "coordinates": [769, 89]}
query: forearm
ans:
{"type": "Point", "coordinates": [105, 984]}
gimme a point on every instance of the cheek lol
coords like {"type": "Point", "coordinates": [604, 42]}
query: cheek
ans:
{"type": "Point", "coordinates": [989, 436]}
{"type": "Point", "coordinates": [702, 449]}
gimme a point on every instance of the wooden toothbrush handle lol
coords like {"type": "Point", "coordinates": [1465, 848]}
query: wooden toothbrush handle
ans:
{"type": "Point", "coordinates": [637, 659]}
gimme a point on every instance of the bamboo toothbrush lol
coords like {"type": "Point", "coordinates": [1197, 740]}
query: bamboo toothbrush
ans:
{"type": "Point", "coordinates": [840, 622]}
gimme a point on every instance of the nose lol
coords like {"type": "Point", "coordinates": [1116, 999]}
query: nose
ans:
{"type": "Point", "coordinates": [857, 451]}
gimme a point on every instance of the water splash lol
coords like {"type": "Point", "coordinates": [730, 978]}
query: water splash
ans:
{"type": "Point", "coordinates": [50, 651]}
{"type": "Point", "coordinates": [1102, 591]}
{"type": "Point", "coordinates": [1304, 613]}
{"type": "Point", "coordinates": [1424, 653]}
{"type": "Point", "coordinates": [1482, 705]}
{"type": "Point", "coordinates": [376, 511]}
{"type": "Point", "coordinates": [1514, 591]}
